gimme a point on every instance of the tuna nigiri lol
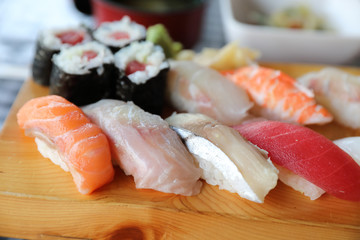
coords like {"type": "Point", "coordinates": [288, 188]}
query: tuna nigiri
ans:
{"type": "Point", "coordinates": [197, 89]}
{"type": "Point", "coordinates": [338, 91]}
{"type": "Point", "coordinates": [307, 154]}
{"type": "Point", "coordinates": [225, 157]}
{"type": "Point", "coordinates": [144, 146]}
{"type": "Point", "coordinates": [278, 97]}
{"type": "Point", "coordinates": [67, 137]}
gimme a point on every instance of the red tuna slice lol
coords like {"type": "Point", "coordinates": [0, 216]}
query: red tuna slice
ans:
{"type": "Point", "coordinates": [134, 66]}
{"type": "Point", "coordinates": [308, 154]}
{"type": "Point", "coordinates": [89, 54]}
{"type": "Point", "coordinates": [119, 35]}
{"type": "Point", "coordinates": [71, 37]}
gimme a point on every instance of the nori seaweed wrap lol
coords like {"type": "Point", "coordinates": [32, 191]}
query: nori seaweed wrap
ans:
{"type": "Point", "coordinates": [83, 74]}
{"type": "Point", "coordinates": [140, 76]}
{"type": "Point", "coordinates": [49, 42]}
{"type": "Point", "coordinates": [118, 34]}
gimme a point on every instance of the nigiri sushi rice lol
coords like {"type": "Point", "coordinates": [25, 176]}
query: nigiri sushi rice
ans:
{"type": "Point", "coordinates": [299, 183]}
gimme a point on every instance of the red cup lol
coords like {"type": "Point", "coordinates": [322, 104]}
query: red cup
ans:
{"type": "Point", "coordinates": [184, 25]}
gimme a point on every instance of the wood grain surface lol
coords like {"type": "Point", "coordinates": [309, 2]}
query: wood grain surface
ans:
{"type": "Point", "coordinates": [38, 200]}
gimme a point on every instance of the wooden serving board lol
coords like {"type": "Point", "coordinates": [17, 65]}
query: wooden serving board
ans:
{"type": "Point", "coordinates": [38, 200]}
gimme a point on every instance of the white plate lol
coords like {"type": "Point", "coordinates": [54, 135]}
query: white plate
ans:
{"type": "Point", "coordinates": [339, 46]}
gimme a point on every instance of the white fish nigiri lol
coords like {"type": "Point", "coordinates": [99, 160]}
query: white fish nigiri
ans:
{"type": "Point", "coordinates": [198, 89]}
{"type": "Point", "coordinates": [145, 147]}
{"type": "Point", "coordinates": [338, 91]}
{"type": "Point", "coordinates": [351, 145]}
{"type": "Point", "coordinates": [225, 157]}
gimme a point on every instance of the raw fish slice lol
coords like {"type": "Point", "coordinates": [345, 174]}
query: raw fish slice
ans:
{"type": "Point", "coordinates": [307, 154]}
{"type": "Point", "coordinates": [338, 91]}
{"type": "Point", "coordinates": [145, 147]}
{"type": "Point", "coordinates": [226, 159]}
{"type": "Point", "coordinates": [277, 96]}
{"type": "Point", "coordinates": [197, 89]}
{"type": "Point", "coordinates": [351, 145]}
{"type": "Point", "coordinates": [67, 137]}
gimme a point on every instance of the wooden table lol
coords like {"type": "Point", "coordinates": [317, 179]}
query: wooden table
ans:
{"type": "Point", "coordinates": [39, 201]}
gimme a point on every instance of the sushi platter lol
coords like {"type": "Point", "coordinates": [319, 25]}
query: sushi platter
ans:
{"type": "Point", "coordinates": [39, 200]}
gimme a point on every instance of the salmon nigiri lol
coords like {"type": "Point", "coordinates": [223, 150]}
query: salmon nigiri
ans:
{"type": "Point", "coordinates": [278, 96]}
{"type": "Point", "coordinates": [307, 154]}
{"type": "Point", "coordinates": [66, 136]}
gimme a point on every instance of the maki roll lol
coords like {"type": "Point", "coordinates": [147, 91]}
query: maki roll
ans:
{"type": "Point", "coordinates": [140, 75]}
{"type": "Point", "coordinates": [49, 42]}
{"type": "Point", "coordinates": [118, 34]}
{"type": "Point", "coordinates": [82, 73]}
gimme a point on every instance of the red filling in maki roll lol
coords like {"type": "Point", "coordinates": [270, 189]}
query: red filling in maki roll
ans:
{"type": "Point", "coordinates": [134, 66]}
{"type": "Point", "coordinates": [119, 35]}
{"type": "Point", "coordinates": [140, 75]}
{"type": "Point", "coordinates": [71, 37]}
{"type": "Point", "coordinates": [89, 54]}
{"type": "Point", "coordinates": [83, 73]}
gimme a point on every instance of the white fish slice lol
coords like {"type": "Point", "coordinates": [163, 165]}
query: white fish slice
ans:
{"type": "Point", "coordinates": [197, 89]}
{"type": "Point", "coordinates": [226, 159]}
{"type": "Point", "coordinates": [351, 145]}
{"type": "Point", "coordinates": [144, 146]}
{"type": "Point", "coordinates": [338, 91]}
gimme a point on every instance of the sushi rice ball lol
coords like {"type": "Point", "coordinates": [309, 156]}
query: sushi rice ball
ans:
{"type": "Point", "coordinates": [50, 42]}
{"type": "Point", "coordinates": [80, 59]}
{"type": "Point", "coordinates": [82, 74]}
{"type": "Point", "coordinates": [118, 34]}
{"type": "Point", "coordinates": [141, 71]}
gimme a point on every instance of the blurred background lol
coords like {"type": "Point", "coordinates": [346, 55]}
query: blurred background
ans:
{"type": "Point", "coordinates": [21, 20]}
{"type": "Point", "coordinates": [296, 31]}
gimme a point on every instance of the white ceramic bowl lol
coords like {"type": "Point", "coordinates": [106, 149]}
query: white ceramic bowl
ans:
{"type": "Point", "coordinates": [340, 46]}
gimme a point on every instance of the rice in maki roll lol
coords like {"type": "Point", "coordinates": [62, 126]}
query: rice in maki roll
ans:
{"type": "Point", "coordinates": [49, 42]}
{"type": "Point", "coordinates": [83, 73]}
{"type": "Point", "coordinates": [141, 70]}
{"type": "Point", "coordinates": [118, 34]}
